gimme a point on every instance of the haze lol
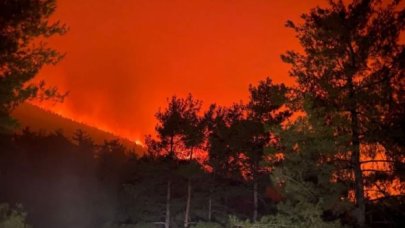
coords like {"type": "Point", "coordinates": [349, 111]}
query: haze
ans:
{"type": "Point", "coordinates": [124, 58]}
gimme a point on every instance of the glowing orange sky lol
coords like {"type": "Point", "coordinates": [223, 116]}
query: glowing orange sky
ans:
{"type": "Point", "coordinates": [125, 57]}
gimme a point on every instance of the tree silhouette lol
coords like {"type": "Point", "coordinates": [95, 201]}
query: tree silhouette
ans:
{"type": "Point", "coordinates": [223, 157]}
{"type": "Point", "coordinates": [179, 128]}
{"type": "Point", "coordinates": [261, 168]}
{"type": "Point", "coordinates": [264, 113]}
{"type": "Point", "coordinates": [313, 194]}
{"type": "Point", "coordinates": [193, 137]}
{"type": "Point", "coordinates": [351, 68]}
{"type": "Point", "coordinates": [23, 25]}
{"type": "Point", "coordinates": [222, 149]}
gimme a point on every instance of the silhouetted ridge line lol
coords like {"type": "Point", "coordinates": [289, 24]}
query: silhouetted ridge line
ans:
{"type": "Point", "coordinates": [37, 118]}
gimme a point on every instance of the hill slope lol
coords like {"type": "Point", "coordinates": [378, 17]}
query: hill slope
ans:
{"type": "Point", "coordinates": [37, 118]}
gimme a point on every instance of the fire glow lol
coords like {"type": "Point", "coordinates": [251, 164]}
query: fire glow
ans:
{"type": "Point", "coordinates": [142, 52]}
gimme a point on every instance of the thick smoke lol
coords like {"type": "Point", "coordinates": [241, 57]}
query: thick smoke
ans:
{"type": "Point", "coordinates": [124, 58]}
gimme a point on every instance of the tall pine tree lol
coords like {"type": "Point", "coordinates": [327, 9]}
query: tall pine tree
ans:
{"type": "Point", "coordinates": [351, 68]}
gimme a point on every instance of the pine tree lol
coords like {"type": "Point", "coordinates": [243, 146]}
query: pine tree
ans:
{"type": "Point", "coordinates": [23, 26]}
{"type": "Point", "coordinates": [193, 137]}
{"type": "Point", "coordinates": [312, 191]}
{"type": "Point", "coordinates": [226, 178]}
{"type": "Point", "coordinates": [263, 110]}
{"type": "Point", "coordinates": [351, 69]}
{"type": "Point", "coordinates": [180, 131]}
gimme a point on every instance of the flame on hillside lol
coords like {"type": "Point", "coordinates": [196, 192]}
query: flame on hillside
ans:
{"type": "Point", "coordinates": [91, 123]}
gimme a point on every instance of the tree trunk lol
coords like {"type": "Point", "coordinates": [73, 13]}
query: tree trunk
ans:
{"type": "Point", "coordinates": [358, 174]}
{"type": "Point", "coordinates": [187, 214]}
{"type": "Point", "coordinates": [255, 168]}
{"type": "Point", "coordinates": [211, 192]}
{"type": "Point", "coordinates": [191, 154]}
{"type": "Point", "coordinates": [168, 199]}
{"type": "Point", "coordinates": [171, 146]}
{"type": "Point", "coordinates": [210, 207]}
{"type": "Point", "coordinates": [169, 186]}
{"type": "Point", "coordinates": [255, 200]}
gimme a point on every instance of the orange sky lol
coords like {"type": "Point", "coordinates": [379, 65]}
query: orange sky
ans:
{"type": "Point", "coordinates": [125, 57]}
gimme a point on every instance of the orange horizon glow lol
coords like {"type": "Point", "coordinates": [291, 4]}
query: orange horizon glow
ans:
{"type": "Point", "coordinates": [125, 58]}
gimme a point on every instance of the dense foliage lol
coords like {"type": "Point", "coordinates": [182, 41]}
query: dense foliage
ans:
{"type": "Point", "coordinates": [23, 26]}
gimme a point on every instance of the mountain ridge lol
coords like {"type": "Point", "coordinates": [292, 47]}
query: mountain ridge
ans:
{"type": "Point", "coordinates": [39, 119]}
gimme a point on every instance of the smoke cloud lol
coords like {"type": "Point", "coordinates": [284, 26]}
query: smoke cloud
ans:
{"type": "Point", "coordinates": [124, 58]}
